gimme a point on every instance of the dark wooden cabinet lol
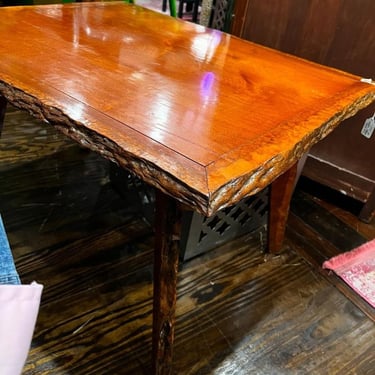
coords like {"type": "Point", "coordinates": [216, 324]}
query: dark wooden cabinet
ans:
{"type": "Point", "coordinates": [337, 33]}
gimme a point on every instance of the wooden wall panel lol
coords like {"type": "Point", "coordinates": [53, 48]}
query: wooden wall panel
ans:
{"type": "Point", "coordinates": [338, 33]}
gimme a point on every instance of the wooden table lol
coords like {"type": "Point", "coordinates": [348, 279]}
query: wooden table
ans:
{"type": "Point", "coordinates": [204, 117]}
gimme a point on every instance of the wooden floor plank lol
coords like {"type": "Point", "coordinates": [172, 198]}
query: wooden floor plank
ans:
{"type": "Point", "coordinates": [315, 250]}
{"type": "Point", "coordinates": [239, 311]}
{"type": "Point", "coordinates": [335, 231]}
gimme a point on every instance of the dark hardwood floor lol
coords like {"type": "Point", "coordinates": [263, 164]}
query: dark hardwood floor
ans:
{"type": "Point", "coordinates": [239, 311]}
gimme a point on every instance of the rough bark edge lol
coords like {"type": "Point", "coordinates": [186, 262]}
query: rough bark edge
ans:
{"type": "Point", "coordinates": [252, 183]}
{"type": "Point", "coordinates": [146, 170]}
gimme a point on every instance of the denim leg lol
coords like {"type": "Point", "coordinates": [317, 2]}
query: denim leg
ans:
{"type": "Point", "coordinates": [8, 272]}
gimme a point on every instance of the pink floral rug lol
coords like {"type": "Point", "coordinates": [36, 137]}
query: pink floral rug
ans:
{"type": "Point", "coordinates": [357, 269]}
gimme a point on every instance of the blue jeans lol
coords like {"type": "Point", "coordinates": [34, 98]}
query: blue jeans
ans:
{"type": "Point", "coordinates": [8, 272]}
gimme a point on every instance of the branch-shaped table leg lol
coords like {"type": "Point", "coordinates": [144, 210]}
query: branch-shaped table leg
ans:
{"type": "Point", "coordinates": [167, 244]}
{"type": "Point", "coordinates": [168, 229]}
{"type": "Point", "coordinates": [280, 195]}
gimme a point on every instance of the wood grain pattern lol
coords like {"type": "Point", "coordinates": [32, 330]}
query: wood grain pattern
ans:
{"type": "Point", "coordinates": [343, 41]}
{"type": "Point", "coordinates": [338, 232]}
{"type": "Point", "coordinates": [280, 195]}
{"type": "Point", "coordinates": [167, 249]}
{"type": "Point", "coordinates": [201, 115]}
{"type": "Point", "coordinates": [238, 311]}
{"type": "Point", "coordinates": [122, 94]}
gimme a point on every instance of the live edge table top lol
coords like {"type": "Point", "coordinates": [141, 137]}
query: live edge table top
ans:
{"type": "Point", "coordinates": [204, 116]}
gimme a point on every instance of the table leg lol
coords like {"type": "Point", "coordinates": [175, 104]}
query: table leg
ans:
{"type": "Point", "coordinates": [280, 195]}
{"type": "Point", "coordinates": [167, 244]}
{"type": "Point", "coordinates": [368, 210]}
{"type": "Point", "coordinates": [3, 107]}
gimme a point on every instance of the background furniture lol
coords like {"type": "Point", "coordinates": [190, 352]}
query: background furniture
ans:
{"type": "Point", "coordinates": [221, 15]}
{"type": "Point", "coordinates": [190, 6]}
{"type": "Point", "coordinates": [199, 233]}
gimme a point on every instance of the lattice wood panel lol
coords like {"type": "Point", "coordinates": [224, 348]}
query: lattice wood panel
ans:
{"type": "Point", "coordinates": [199, 233]}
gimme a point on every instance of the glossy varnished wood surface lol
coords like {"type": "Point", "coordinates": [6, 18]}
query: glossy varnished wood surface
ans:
{"type": "Point", "coordinates": [238, 311]}
{"type": "Point", "coordinates": [199, 114]}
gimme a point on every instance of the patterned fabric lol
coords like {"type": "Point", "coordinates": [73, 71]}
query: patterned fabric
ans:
{"type": "Point", "coordinates": [357, 269]}
{"type": "Point", "coordinates": [8, 272]}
